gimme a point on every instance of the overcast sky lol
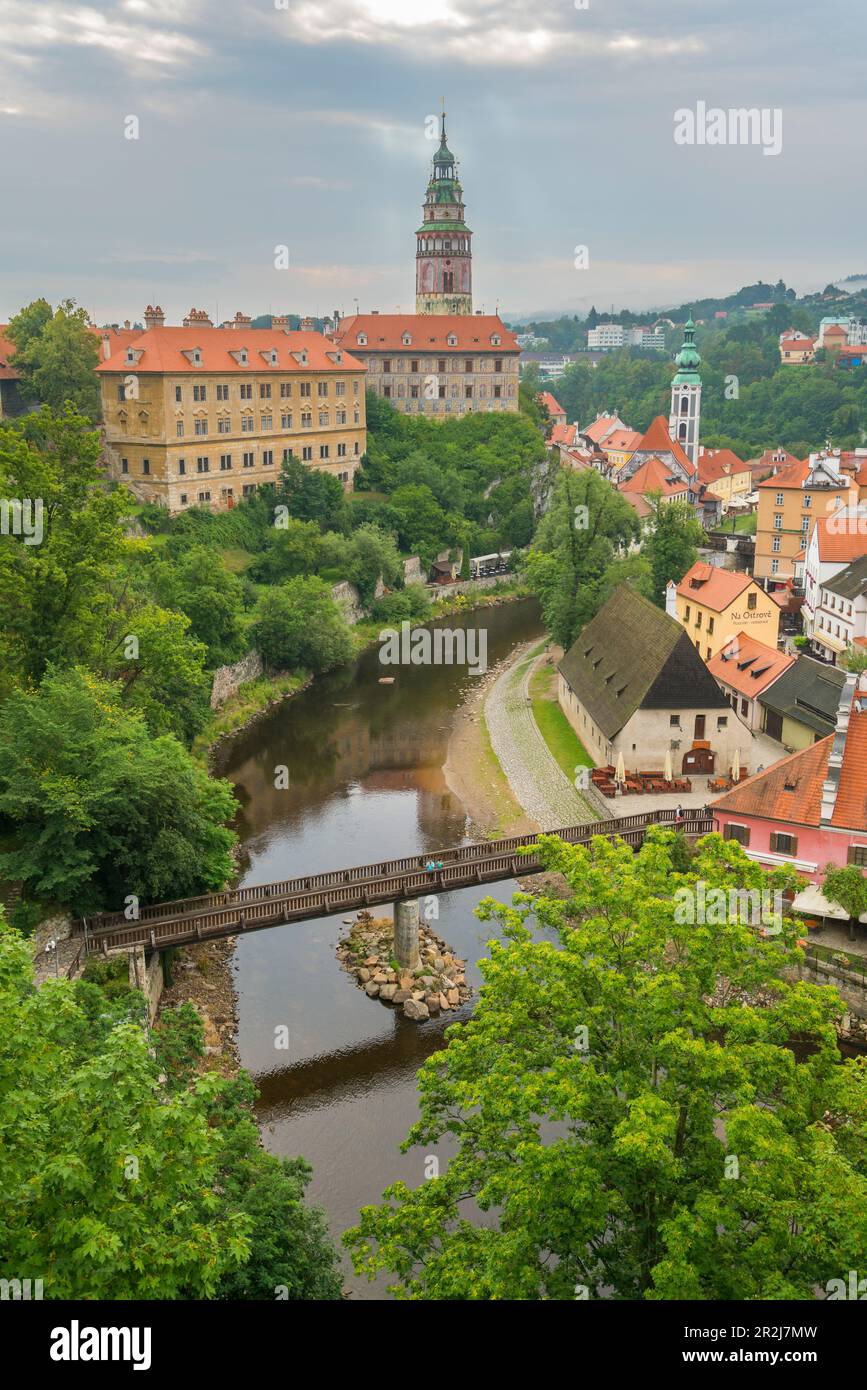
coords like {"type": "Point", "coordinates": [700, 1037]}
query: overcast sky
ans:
{"type": "Point", "coordinates": [302, 122]}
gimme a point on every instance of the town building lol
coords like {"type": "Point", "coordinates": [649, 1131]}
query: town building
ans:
{"type": "Point", "coordinates": [556, 413]}
{"type": "Point", "coordinates": [839, 613]}
{"type": "Point", "coordinates": [744, 669]}
{"type": "Point", "coordinates": [836, 539]}
{"type": "Point", "coordinates": [11, 402]}
{"type": "Point", "coordinates": [788, 503]}
{"type": "Point", "coordinates": [605, 336]}
{"type": "Point", "coordinates": [712, 604]}
{"type": "Point", "coordinates": [726, 475]}
{"type": "Point", "coordinates": [808, 810]}
{"type": "Point", "coordinates": [685, 419]}
{"type": "Point", "coordinates": [801, 706]}
{"type": "Point", "coordinates": [435, 365]}
{"type": "Point", "coordinates": [596, 434]}
{"type": "Point", "coordinates": [633, 683]}
{"type": "Point", "coordinates": [620, 445]}
{"type": "Point", "coordinates": [796, 348]}
{"type": "Point", "coordinates": [199, 415]}
{"type": "Point", "coordinates": [444, 254]}
{"type": "Point", "coordinates": [653, 479]}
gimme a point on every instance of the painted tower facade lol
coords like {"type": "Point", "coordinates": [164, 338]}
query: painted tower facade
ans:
{"type": "Point", "coordinates": [444, 259]}
{"type": "Point", "coordinates": [685, 417]}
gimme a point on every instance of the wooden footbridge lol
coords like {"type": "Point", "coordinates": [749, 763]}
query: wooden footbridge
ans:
{"type": "Point", "coordinates": [239, 910]}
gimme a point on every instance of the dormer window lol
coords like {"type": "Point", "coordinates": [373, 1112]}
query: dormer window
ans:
{"type": "Point", "coordinates": [361, 339]}
{"type": "Point", "coordinates": [197, 357]}
{"type": "Point", "coordinates": [407, 340]}
{"type": "Point", "coordinates": [243, 357]}
{"type": "Point", "coordinates": [495, 340]}
{"type": "Point", "coordinates": [452, 340]}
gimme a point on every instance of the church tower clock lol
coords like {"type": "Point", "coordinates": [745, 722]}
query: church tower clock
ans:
{"type": "Point", "coordinates": [443, 267]}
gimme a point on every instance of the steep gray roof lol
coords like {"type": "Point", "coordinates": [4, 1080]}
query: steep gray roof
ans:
{"type": "Point", "coordinates": [633, 656]}
{"type": "Point", "coordinates": [809, 692]}
{"type": "Point", "coordinates": [851, 581]}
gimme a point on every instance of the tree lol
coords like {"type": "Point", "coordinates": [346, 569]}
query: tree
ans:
{"type": "Point", "coordinates": [199, 585]}
{"type": "Point", "coordinates": [127, 1175]}
{"type": "Point", "coordinates": [673, 545]}
{"type": "Point", "coordinates": [54, 593]}
{"type": "Point", "coordinates": [96, 808]}
{"type": "Point", "coordinates": [846, 886]}
{"type": "Point", "coordinates": [424, 527]}
{"type": "Point", "coordinates": [108, 1180]}
{"type": "Point", "coordinates": [630, 1119]}
{"type": "Point", "coordinates": [581, 534]}
{"type": "Point", "coordinates": [57, 355]}
{"type": "Point", "coordinates": [373, 555]}
{"type": "Point", "coordinates": [161, 670]}
{"type": "Point", "coordinates": [298, 625]}
{"type": "Point", "coordinates": [290, 1248]}
{"type": "Point", "coordinates": [311, 495]}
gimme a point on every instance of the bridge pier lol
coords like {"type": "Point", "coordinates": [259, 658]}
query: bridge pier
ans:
{"type": "Point", "coordinates": [406, 926]}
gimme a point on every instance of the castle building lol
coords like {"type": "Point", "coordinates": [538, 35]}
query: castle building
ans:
{"type": "Point", "coordinates": [444, 258]}
{"type": "Point", "coordinates": [685, 418]}
{"type": "Point", "coordinates": [203, 416]}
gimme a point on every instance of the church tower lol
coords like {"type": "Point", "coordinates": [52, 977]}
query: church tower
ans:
{"type": "Point", "coordinates": [685, 418]}
{"type": "Point", "coordinates": [443, 266]}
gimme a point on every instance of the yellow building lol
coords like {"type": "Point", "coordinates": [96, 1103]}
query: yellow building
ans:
{"type": "Point", "coordinates": [788, 504]}
{"type": "Point", "coordinates": [724, 474]}
{"type": "Point", "coordinates": [202, 416]}
{"type": "Point", "coordinates": [714, 604]}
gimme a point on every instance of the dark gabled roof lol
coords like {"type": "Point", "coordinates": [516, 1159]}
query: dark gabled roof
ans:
{"type": "Point", "coordinates": [851, 581]}
{"type": "Point", "coordinates": [633, 656]}
{"type": "Point", "coordinates": [808, 692]}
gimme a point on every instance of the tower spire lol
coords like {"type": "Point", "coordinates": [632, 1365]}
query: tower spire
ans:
{"type": "Point", "coordinates": [443, 279]}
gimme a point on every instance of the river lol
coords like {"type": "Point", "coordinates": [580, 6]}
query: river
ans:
{"type": "Point", "coordinates": [364, 771]}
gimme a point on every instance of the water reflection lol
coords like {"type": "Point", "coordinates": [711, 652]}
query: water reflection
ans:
{"type": "Point", "coordinates": [365, 783]}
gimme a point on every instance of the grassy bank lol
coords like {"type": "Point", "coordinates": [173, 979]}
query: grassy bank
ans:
{"type": "Point", "coordinates": [566, 747]}
{"type": "Point", "coordinates": [239, 710]}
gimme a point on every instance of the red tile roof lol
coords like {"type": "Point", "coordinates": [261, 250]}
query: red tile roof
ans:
{"type": "Point", "coordinates": [163, 349]}
{"type": "Point", "coordinates": [564, 434]}
{"type": "Point", "coordinates": [658, 440]}
{"type": "Point", "coordinates": [550, 404]}
{"type": "Point", "coordinates": [655, 476]}
{"type": "Point", "coordinates": [722, 463]}
{"type": "Point", "coordinates": [747, 665]}
{"type": "Point", "coordinates": [429, 333]}
{"type": "Point", "coordinates": [712, 586]}
{"type": "Point", "coordinates": [790, 475]}
{"type": "Point", "coordinates": [601, 427]}
{"type": "Point", "coordinates": [622, 439]}
{"type": "Point", "coordinates": [7, 347]}
{"type": "Point", "coordinates": [841, 536]}
{"type": "Point", "coordinates": [791, 790]}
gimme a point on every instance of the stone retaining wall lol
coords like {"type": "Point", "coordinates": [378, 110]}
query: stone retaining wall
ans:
{"type": "Point", "coordinates": [229, 679]}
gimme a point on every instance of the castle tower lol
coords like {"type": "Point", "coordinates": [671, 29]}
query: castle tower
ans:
{"type": "Point", "coordinates": [685, 418]}
{"type": "Point", "coordinates": [444, 261]}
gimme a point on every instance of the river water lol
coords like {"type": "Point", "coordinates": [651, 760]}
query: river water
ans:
{"type": "Point", "coordinates": [365, 783]}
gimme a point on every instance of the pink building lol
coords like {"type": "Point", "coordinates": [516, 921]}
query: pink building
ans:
{"type": "Point", "coordinates": [810, 809]}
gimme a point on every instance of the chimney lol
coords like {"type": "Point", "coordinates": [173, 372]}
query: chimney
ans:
{"type": "Point", "coordinates": [126, 323]}
{"type": "Point", "coordinates": [106, 347]}
{"type": "Point", "coordinates": [280, 321]}
{"type": "Point", "coordinates": [241, 320]}
{"type": "Point", "coordinates": [306, 325]}
{"type": "Point", "coordinates": [196, 318]}
{"type": "Point", "coordinates": [831, 785]}
{"type": "Point", "coordinates": [153, 317]}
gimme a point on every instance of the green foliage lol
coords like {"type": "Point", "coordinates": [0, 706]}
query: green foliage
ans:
{"type": "Point", "coordinates": [108, 1180]}
{"type": "Point", "coordinates": [569, 564]}
{"type": "Point", "coordinates": [673, 545]}
{"type": "Point", "coordinates": [602, 1087]}
{"type": "Point", "coordinates": [199, 585]}
{"type": "Point", "coordinates": [118, 1186]}
{"type": "Point", "coordinates": [166, 681]}
{"type": "Point", "coordinates": [404, 605]}
{"type": "Point", "coordinates": [56, 356]}
{"type": "Point", "coordinates": [846, 886]}
{"type": "Point", "coordinates": [300, 625]}
{"type": "Point", "coordinates": [311, 495]}
{"type": "Point", "coordinates": [54, 594]}
{"type": "Point", "coordinates": [98, 808]}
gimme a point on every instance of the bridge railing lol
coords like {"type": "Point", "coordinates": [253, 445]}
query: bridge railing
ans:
{"type": "Point", "coordinates": [387, 881]}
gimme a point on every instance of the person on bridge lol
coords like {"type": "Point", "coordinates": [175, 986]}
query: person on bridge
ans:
{"type": "Point", "coordinates": [678, 817]}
